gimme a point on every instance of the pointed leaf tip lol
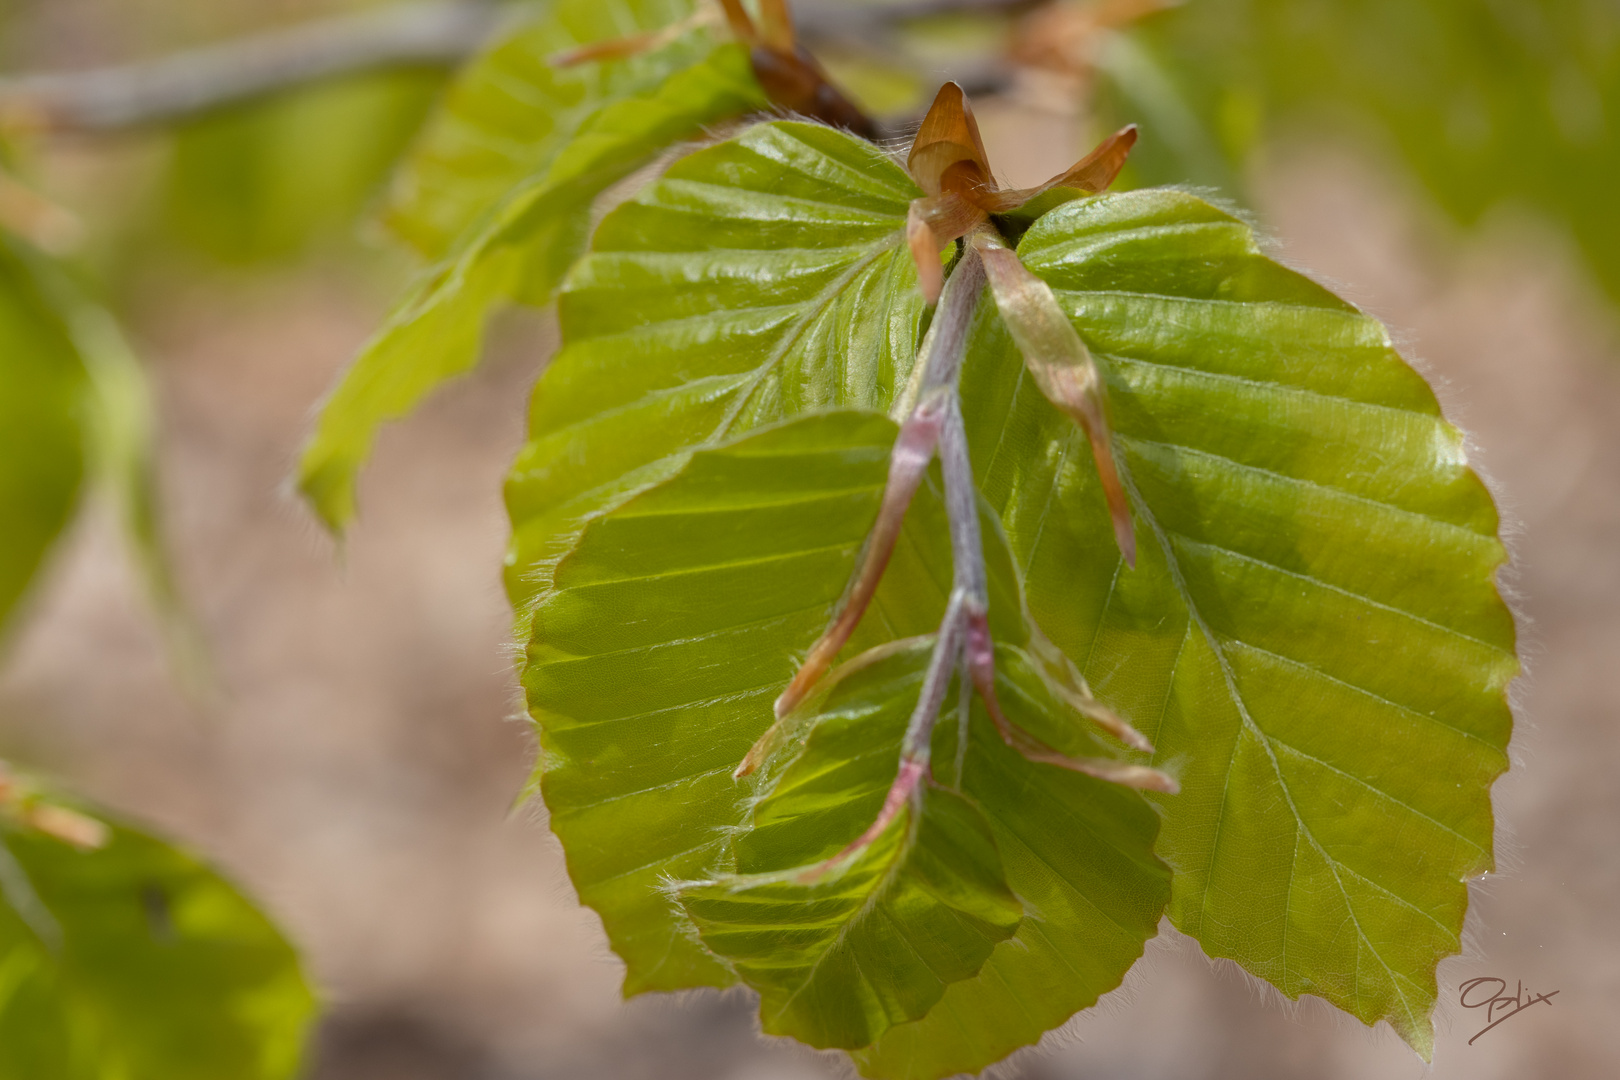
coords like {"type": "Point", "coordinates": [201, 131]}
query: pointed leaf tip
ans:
{"type": "Point", "coordinates": [948, 152]}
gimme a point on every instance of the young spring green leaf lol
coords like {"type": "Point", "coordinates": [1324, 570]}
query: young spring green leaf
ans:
{"type": "Point", "coordinates": [1082, 848]}
{"type": "Point", "coordinates": [512, 110]}
{"type": "Point", "coordinates": [1312, 637]}
{"type": "Point", "coordinates": [839, 958]}
{"type": "Point", "coordinates": [123, 956]}
{"type": "Point", "coordinates": [760, 278]}
{"type": "Point", "coordinates": [644, 713]}
{"type": "Point", "coordinates": [43, 413]}
{"type": "Point", "coordinates": [521, 251]}
{"type": "Point", "coordinates": [1077, 851]}
{"type": "Point", "coordinates": [656, 653]}
{"type": "Point", "coordinates": [1313, 630]}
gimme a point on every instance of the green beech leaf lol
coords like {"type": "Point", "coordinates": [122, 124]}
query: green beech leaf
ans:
{"type": "Point", "coordinates": [639, 677]}
{"type": "Point", "coordinates": [763, 278]}
{"type": "Point", "coordinates": [760, 278]}
{"type": "Point", "coordinates": [1077, 849]}
{"type": "Point", "coordinates": [656, 653]}
{"type": "Point", "coordinates": [839, 960]}
{"type": "Point", "coordinates": [1313, 635]}
{"type": "Point", "coordinates": [510, 112]}
{"type": "Point", "coordinates": [134, 960]}
{"type": "Point", "coordinates": [522, 251]}
{"type": "Point", "coordinates": [43, 413]}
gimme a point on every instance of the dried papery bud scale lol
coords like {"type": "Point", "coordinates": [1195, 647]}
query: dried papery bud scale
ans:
{"type": "Point", "coordinates": [949, 163]}
{"type": "Point", "coordinates": [790, 76]}
{"type": "Point", "coordinates": [1061, 366]}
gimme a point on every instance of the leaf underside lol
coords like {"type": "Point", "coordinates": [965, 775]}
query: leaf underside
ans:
{"type": "Point", "coordinates": [1312, 637]}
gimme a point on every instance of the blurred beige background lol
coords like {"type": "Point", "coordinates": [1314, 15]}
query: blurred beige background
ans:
{"type": "Point", "coordinates": [358, 768]}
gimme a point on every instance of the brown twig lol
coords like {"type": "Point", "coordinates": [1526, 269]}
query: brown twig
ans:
{"type": "Point", "coordinates": [198, 80]}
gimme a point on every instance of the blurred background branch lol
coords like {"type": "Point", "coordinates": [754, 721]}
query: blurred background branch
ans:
{"type": "Point", "coordinates": [430, 33]}
{"type": "Point", "coordinates": [198, 80]}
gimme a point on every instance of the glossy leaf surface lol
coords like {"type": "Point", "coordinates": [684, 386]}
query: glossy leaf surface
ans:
{"type": "Point", "coordinates": [1312, 636]}
{"type": "Point", "coordinates": [1313, 632]}
{"type": "Point", "coordinates": [136, 961]}
{"type": "Point", "coordinates": [761, 278]}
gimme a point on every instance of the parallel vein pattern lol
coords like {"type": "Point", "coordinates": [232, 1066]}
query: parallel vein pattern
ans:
{"type": "Point", "coordinates": [758, 280]}
{"type": "Point", "coordinates": [840, 960]}
{"type": "Point", "coordinates": [656, 655]}
{"type": "Point", "coordinates": [1315, 637]}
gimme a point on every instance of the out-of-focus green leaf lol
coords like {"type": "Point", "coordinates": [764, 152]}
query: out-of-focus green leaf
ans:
{"type": "Point", "coordinates": [1487, 102]}
{"type": "Point", "coordinates": [511, 112]}
{"type": "Point", "coordinates": [43, 413]}
{"type": "Point", "coordinates": [81, 404]}
{"type": "Point", "coordinates": [523, 251]}
{"type": "Point", "coordinates": [134, 961]}
{"type": "Point", "coordinates": [1179, 145]}
{"type": "Point", "coordinates": [268, 179]}
{"type": "Point", "coordinates": [122, 440]}
{"type": "Point", "coordinates": [1312, 634]}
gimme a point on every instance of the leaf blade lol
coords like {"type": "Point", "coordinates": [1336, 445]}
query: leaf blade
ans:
{"type": "Point", "coordinates": [522, 251]}
{"type": "Point", "coordinates": [839, 960]}
{"type": "Point", "coordinates": [159, 969]}
{"type": "Point", "coordinates": [1320, 548]}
